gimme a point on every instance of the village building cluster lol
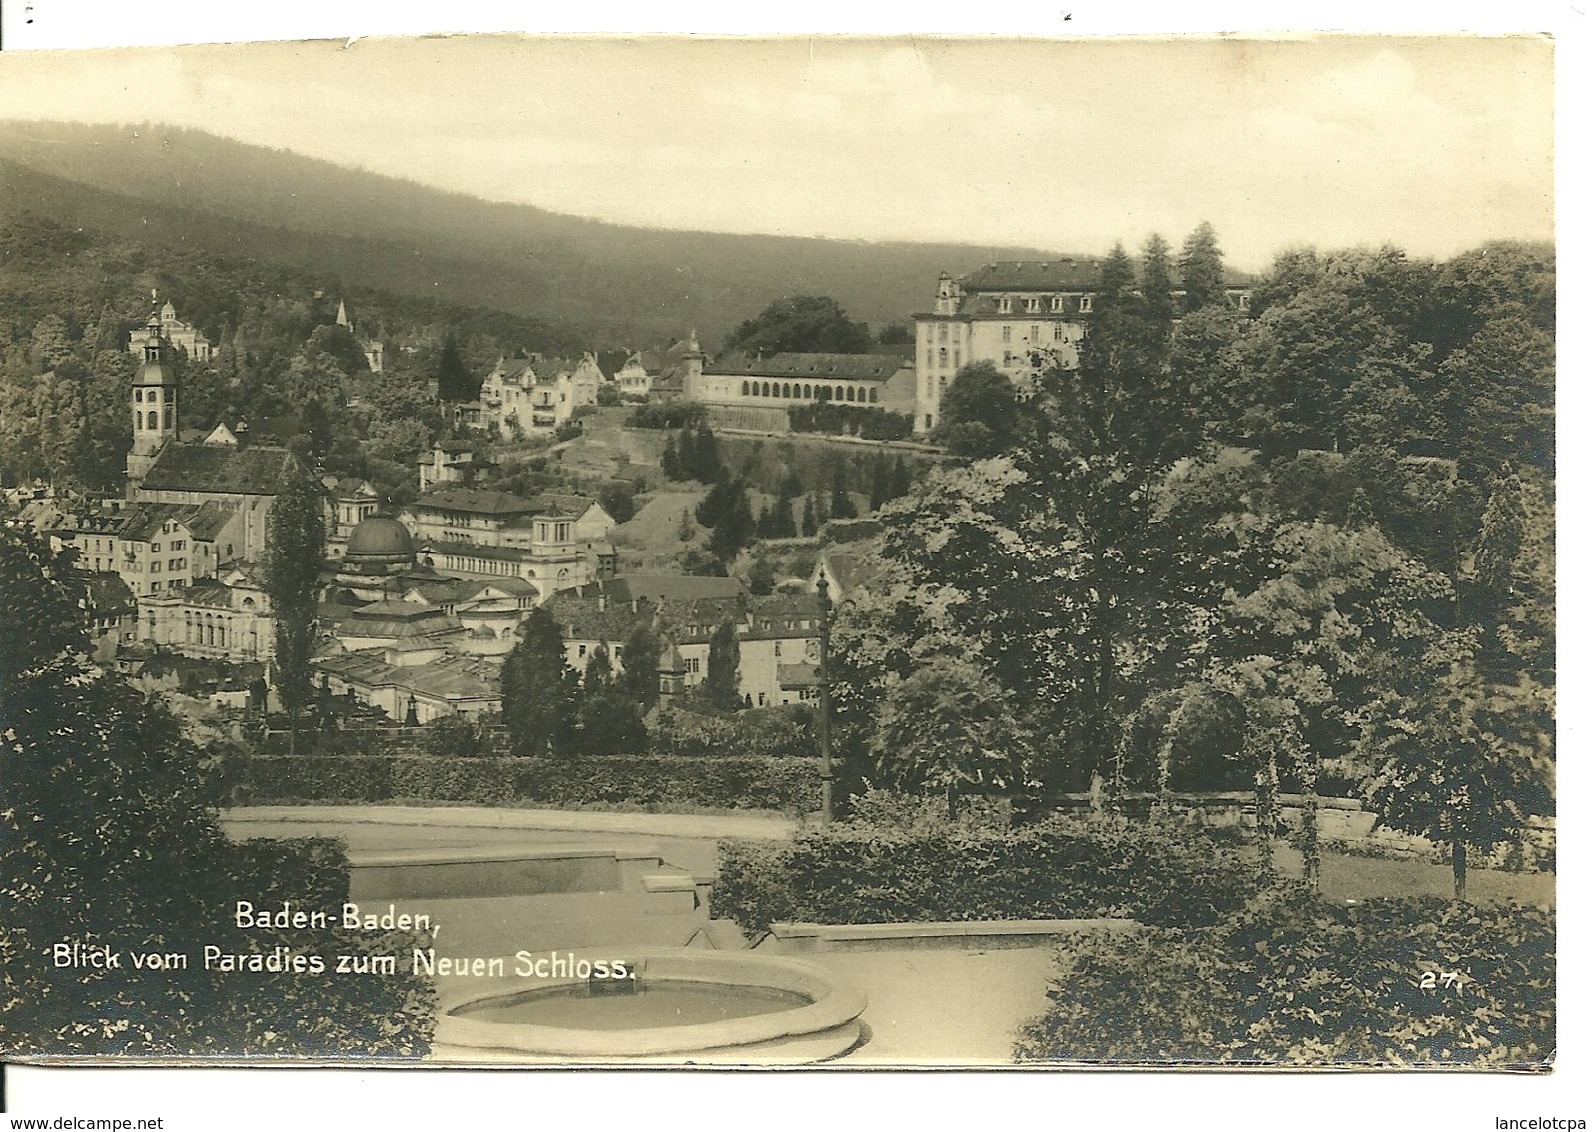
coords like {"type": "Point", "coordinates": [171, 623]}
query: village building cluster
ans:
{"type": "Point", "coordinates": [420, 606]}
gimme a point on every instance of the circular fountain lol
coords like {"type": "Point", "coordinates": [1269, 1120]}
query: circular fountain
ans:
{"type": "Point", "coordinates": [675, 1007]}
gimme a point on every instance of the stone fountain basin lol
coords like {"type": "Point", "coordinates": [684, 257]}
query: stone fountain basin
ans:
{"type": "Point", "coordinates": [827, 1026]}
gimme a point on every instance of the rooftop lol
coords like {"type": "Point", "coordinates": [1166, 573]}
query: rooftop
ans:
{"type": "Point", "coordinates": [224, 471]}
{"type": "Point", "coordinates": [853, 367]}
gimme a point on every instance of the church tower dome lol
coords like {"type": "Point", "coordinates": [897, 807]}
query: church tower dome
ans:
{"type": "Point", "coordinates": [153, 404]}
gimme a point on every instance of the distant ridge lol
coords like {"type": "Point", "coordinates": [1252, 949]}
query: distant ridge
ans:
{"type": "Point", "coordinates": [619, 286]}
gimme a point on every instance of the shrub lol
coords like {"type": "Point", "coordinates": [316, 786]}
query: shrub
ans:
{"type": "Point", "coordinates": [451, 736]}
{"type": "Point", "coordinates": [961, 870]}
{"type": "Point", "coordinates": [628, 780]}
{"type": "Point", "coordinates": [782, 731]}
{"type": "Point", "coordinates": [1291, 980]}
{"type": "Point", "coordinates": [850, 420]}
{"type": "Point", "coordinates": [674, 414]}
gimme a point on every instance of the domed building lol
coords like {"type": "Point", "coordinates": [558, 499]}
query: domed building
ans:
{"type": "Point", "coordinates": [379, 562]}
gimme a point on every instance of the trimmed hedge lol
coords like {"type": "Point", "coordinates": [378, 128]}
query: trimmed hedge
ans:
{"type": "Point", "coordinates": [785, 731]}
{"type": "Point", "coordinates": [639, 780]}
{"type": "Point", "coordinates": [856, 874]}
{"type": "Point", "coordinates": [1293, 980]}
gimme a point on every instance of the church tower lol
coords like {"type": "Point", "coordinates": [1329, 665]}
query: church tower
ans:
{"type": "Point", "coordinates": [154, 407]}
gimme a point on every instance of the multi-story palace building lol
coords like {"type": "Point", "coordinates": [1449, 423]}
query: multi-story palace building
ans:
{"type": "Point", "coordinates": [1007, 314]}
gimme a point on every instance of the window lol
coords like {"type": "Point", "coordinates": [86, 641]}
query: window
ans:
{"type": "Point", "coordinates": [1036, 333]}
{"type": "Point", "coordinates": [761, 699]}
{"type": "Point", "coordinates": [177, 544]}
{"type": "Point", "coordinates": [850, 388]}
{"type": "Point", "coordinates": [942, 332]}
{"type": "Point", "coordinates": [692, 665]}
{"type": "Point", "coordinates": [745, 389]}
{"type": "Point", "coordinates": [150, 420]}
{"type": "Point", "coordinates": [873, 389]}
{"type": "Point", "coordinates": [1086, 304]}
{"type": "Point", "coordinates": [1005, 305]}
{"type": "Point", "coordinates": [1008, 333]}
{"type": "Point", "coordinates": [778, 648]}
{"type": "Point", "coordinates": [955, 362]}
{"type": "Point", "coordinates": [1008, 357]}
{"type": "Point", "coordinates": [1058, 332]}
{"type": "Point", "coordinates": [155, 547]}
{"type": "Point", "coordinates": [1058, 302]}
{"type": "Point", "coordinates": [581, 650]}
{"type": "Point", "coordinates": [930, 356]}
{"type": "Point", "coordinates": [928, 420]}
{"type": "Point", "coordinates": [1243, 302]}
{"type": "Point", "coordinates": [1033, 305]}
{"type": "Point", "coordinates": [942, 357]}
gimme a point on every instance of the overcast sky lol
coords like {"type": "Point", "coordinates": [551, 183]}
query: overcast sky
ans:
{"type": "Point", "coordinates": [1434, 144]}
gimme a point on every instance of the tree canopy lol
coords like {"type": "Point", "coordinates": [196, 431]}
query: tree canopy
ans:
{"type": "Point", "coordinates": [801, 324]}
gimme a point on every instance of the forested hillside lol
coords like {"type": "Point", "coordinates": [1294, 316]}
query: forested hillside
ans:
{"type": "Point", "coordinates": [69, 298]}
{"type": "Point", "coordinates": [616, 286]}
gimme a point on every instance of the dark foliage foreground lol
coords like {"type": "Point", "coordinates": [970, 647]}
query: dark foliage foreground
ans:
{"type": "Point", "coordinates": [1292, 980]}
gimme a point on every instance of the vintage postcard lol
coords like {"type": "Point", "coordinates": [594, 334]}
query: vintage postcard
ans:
{"type": "Point", "coordinates": [852, 553]}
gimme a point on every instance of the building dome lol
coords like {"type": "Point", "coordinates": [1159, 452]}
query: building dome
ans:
{"type": "Point", "coordinates": [380, 541]}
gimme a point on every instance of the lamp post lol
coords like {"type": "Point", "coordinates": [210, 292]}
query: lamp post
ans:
{"type": "Point", "coordinates": [826, 777]}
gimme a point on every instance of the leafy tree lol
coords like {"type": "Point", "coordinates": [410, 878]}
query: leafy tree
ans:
{"type": "Point", "coordinates": [725, 656]}
{"type": "Point", "coordinates": [1450, 766]}
{"type": "Point", "coordinates": [540, 703]}
{"type": "Point", "coordinates": [802, 324]}
{"type": "Point", "coordinates": [895, 334]}
{"type": "Point", "coordinates": [980, 416]}
{"type": "Point", "coordinates": [1202, 268]}
{"type": "Point", "coordinates": [733, 526]}
{"type": "Point", "coordinates": [639, 677]}
{"type": "Point", "coordinates": [296, 541]}
{"type": "Point", "coordinates": [761, 577]}
{"type": "Point", "coordinates": [107, 837]}
{"type": "Point", "coordinates": [951, 728]}
{"type": "Point", "coordinates": [620, 500]}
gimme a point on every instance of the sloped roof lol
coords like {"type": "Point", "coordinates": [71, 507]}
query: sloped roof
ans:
{"type": "Point", "coordinates": [581, 619]}
{"type": "Point", "coordinates": [852, 569]}
{"type": "Point", "coordinates": [208, 520]}
{"type": "Point", "coordinates": [446, 678]}
{"type": "Point", "coordinates": [851, 367]}
{"type": "Point", "coordinates": [1078, 273]}
{"type": "Point", "coordinates": [241, 471]}
{"type": "Point", "coordinates": [476, 501]}
{"type": "Point", "coordinates": [670, 587]}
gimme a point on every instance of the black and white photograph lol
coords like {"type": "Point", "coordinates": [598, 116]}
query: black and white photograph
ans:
{"type": "Point", "coordinates": [1011, 552]}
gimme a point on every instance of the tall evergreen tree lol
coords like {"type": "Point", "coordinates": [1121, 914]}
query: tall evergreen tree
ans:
{"type": "Point", "coordinates": [539, 709]}
{"type": "Point", "coordinates": [725, 656]}
{"type": "Point", "coordinates": [900, 478]}
{"type": "Point", "coordinates": [1202, 268]}
{"type": "Point", "coordinates": [842, 505]}
{"type": "Point", "coordinates": [296, 539]}
{"type": "Point", "coordinates": [454, 381]}
{"type": "Point", "coordinates": [880, 483]}
{"type": "Point", "coordinates": [1116, 277]}
{"type": "Point", "coordinates": [811, 521]}
{"type": "Point", "coordinates": [1157, 279]}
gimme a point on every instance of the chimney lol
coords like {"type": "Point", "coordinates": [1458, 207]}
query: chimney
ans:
{"type": "Point", "coordinates": [604, 600]}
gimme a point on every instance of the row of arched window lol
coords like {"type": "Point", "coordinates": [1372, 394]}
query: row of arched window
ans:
{"type": "Point", "coordinates": [139, 393]}
{"type": "Point", "coordinates": [792, 390]}
{"type": "Point", "coordinates": [151, 421]}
